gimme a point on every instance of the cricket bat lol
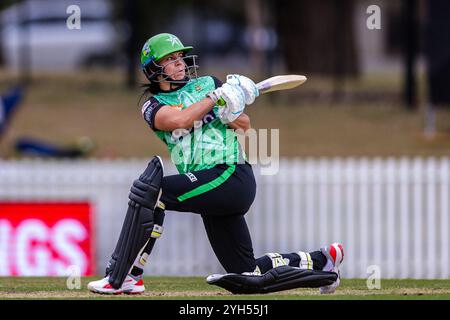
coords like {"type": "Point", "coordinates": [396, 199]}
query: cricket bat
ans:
{"type": "Point", "coordinates": [276, 83]}
{"type": "Point", "coordinates": [280, 83]}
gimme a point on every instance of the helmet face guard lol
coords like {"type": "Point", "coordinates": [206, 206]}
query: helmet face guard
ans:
{"type": "Point", "coordinates": [160, 46]}
{"type": "Point", "coordinates": [153, 71]}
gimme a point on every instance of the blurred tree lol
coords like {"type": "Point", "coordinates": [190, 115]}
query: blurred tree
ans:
{"type": "Point", "coordinates": [3, 5]}
{"type": "Point", "coordinates": [410, 43]}
{"type": "Point", "coordinates": [261, 41]}
{"type": "Point", "coordinates": [437, 52]}
{"type": "Point", "coordinates": [145, 18]}
{"type": "Point", "coordinates": [317, 36]}
{"type": "Point", "coordinates": [6, 3]}
{"type": "Point", "coordinates": [142, 19]}
{"type": "Point", "coordinates": [255, 25]}
{"type": "Point", "coordinates": [2, 60]}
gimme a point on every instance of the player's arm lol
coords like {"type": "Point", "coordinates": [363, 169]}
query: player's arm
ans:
{"type": "Point", "coordinates": [242, 122]}
{"type": "Point", "coordinates": [168, 118]}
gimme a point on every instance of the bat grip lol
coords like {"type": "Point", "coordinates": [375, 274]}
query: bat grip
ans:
{"type": "Point", "coordinates": [221, 102]}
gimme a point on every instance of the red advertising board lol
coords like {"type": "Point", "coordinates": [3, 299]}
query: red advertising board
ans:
{"type": "Point", "coordinates": [45, 238]}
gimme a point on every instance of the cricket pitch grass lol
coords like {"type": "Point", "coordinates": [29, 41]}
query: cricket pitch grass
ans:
{"type": "Point", "coordinates": [195, 288]}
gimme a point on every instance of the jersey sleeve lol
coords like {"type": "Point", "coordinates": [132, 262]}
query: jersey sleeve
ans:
{"type": "Point", "coordinates": [149, 110]}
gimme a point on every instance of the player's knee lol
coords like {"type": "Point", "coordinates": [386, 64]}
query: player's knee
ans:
{"type": "Point", "coordinates": [146, 190]}
{"type": "Point", "coordinates": [143, 195]}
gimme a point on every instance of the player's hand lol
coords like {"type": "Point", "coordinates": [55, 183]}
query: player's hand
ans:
{"type": "Point", "coordinates": [234, 98]}
{"type": "Point", "coordinates": [246, 84]}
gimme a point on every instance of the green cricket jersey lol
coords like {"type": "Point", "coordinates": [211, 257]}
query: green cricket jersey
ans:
{"type": "Point", "coordinates": [209, 142]}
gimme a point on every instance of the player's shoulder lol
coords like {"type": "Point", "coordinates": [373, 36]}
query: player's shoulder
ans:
{"type": "Point", "coordinates": [151, 103]}
{"type": "Point", "coordinates": [149, 109]}
{"type": "Point", "coordinates": [213, 79]}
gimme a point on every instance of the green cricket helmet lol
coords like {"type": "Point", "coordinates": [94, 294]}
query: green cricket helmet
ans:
{"type": "Point", "coordinates": [158, 47]}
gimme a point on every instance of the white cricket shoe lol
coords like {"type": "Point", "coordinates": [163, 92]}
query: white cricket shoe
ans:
{"type": "Point", "coordinates": [129, 286]}
{"type": "Point", "coordinates": [335, 255]}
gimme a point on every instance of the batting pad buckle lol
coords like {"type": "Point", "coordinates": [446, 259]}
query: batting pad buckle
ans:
{"type": "Point", "coordinates": [157, 231]}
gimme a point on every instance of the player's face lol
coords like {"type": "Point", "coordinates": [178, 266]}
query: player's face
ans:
{"type": "Point", "coordinates": [174, 65]}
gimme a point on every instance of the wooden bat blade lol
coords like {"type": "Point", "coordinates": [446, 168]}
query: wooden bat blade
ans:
{"type": "Point", "coordinates": [280, 83]}
{"type": "Point", "coordinates": [276, 83]}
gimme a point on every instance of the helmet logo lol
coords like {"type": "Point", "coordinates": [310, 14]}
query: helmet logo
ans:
{"type": "Point", "coordinates": [174, 40]}
{"type": "Point", "coordinates": [146, 49]}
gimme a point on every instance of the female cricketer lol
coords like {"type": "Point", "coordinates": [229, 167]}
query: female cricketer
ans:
{"type": "Point", "coordinates": [215, 181]}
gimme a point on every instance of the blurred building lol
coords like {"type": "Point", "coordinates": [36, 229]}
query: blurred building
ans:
{"type": "Point", "coordinates": [37, 31]}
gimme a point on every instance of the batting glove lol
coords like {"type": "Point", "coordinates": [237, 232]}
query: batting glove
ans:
{"type": "Point", "coordinates": [246, 84]}
{"type": "Point", "coordinates": [234, 98]}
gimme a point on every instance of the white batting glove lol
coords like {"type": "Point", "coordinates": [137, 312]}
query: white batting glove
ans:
{"type": "Point", "coordinates": [246, 84]}
{"type": "Point", "coordinates": [234, 99]}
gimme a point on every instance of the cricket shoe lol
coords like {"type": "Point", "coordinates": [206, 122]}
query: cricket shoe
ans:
{"type": "Point", "coordinates": [335, 255]}
{"type": "Point", "coordinates": [129, 286]}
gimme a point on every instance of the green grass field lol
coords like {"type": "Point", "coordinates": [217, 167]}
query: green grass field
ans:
{"type": "Point", "coordinates": [196, 288]}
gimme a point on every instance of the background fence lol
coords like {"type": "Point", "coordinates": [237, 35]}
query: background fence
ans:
{"type": "Point", "coordinates": [393, 213]}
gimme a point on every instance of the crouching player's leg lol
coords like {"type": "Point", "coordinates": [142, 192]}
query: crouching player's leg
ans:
{"type": "Point", "coordinates": [138, 267]}
{"type": "Point", "coordinates": [327, 259]}
{"type": "Point", "coordinates": [283, 271]}
{"type": "Point", "coordinates": [135, 240]}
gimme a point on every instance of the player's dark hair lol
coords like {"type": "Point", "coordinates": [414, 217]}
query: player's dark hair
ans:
{"type": "Point", "coordinates": [150, 89]}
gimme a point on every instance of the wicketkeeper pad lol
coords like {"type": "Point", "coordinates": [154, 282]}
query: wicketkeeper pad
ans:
{"type": "Point", "coordinates": [276, 279]}
{"type": "Point", "coordinates": [139, 222]}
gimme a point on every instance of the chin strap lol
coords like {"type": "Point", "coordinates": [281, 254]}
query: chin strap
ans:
{"type": "Point", "coordinates": [175, 84]}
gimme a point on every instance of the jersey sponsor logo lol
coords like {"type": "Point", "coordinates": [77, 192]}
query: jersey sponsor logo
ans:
{"type": "Point", "coordinates": [186, 98]}
{"type": "Point", "coordinates": [191, 176]}
{"type": "Point", "coordinates": [147, 110]}
{"type": "Point", "coordinates": [145, 105]}
{"type": "Point", "coordinates": [148, 105]}
{"type": "Point", "coordinates": [177, 106]}
{"type": "Point", "coordinates": [208, 118]}
{"type": "Point", "coordinates": [178, 134]}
